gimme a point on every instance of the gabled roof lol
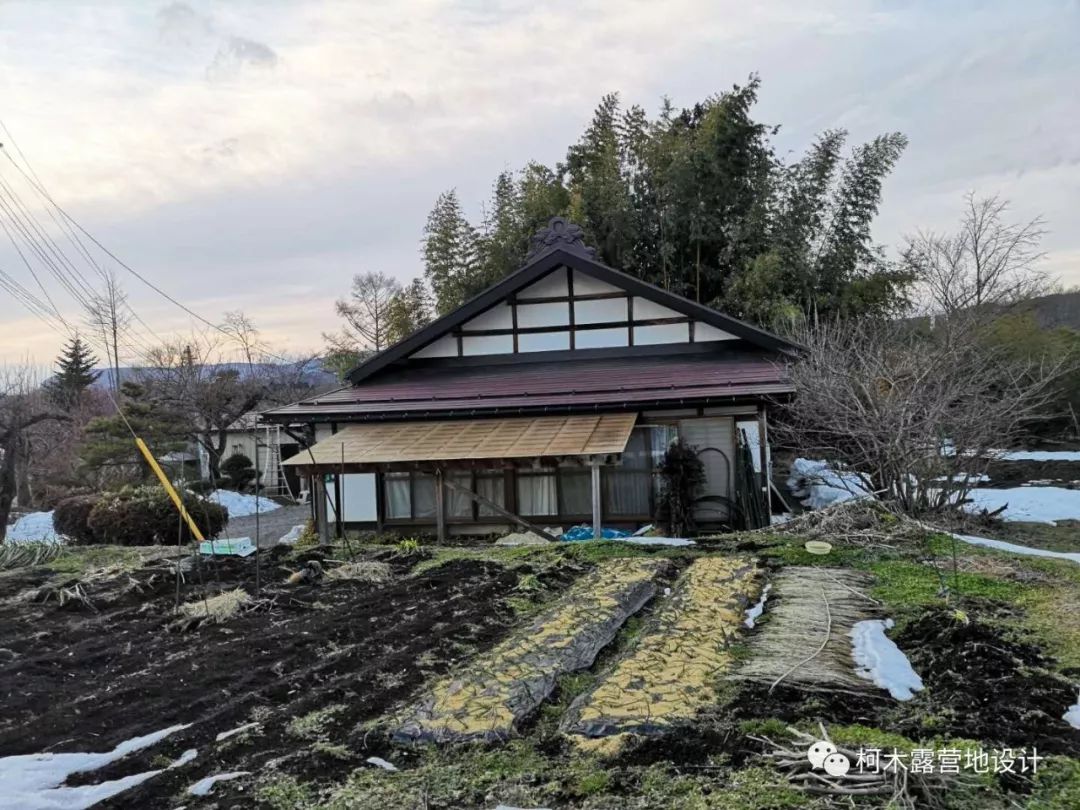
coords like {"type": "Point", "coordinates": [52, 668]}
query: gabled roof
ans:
{"type": "Point", "coordinates": [559, 245]}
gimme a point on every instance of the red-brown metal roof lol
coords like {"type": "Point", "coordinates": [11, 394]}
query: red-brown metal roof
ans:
{"type": "Point", "coordinates": [548, 386]}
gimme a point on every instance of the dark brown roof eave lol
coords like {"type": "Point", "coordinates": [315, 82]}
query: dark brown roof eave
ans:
{"type": "Point", "coordinates": [324, 415]}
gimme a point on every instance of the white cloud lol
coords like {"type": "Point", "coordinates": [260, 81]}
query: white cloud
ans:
{"type": "Point", "coordinates": [225, 148]}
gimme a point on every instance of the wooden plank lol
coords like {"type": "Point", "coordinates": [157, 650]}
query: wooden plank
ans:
{"type": "Point", "coordinates": [494, 507]}
{"type": "Point", "coordinates": [440, 506]}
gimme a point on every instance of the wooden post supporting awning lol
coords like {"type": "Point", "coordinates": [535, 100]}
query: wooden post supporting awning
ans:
{"type": "Point", "coordinates": [439, 446]}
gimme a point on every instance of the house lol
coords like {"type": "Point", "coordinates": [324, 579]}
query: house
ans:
{"type": "Point", "coordinates": [276, 443]}
{"type": "Point", "coordinates": [548, 399]}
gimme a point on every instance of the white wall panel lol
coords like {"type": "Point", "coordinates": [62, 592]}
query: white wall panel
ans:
{"type": "Point", "coordinates": [357, 496]}
{"type": "Point", "coordinates": [717, 433]}
{"type": "Point", "coordinates": [663, 333]}
{"type": "Point", "coordinates": [543, 314]}
{"type": "Point", "coordinates": [607, 310]}
{"type": "Point", "coordinates": [446, 346]}
{"type": "Point", "coordinates": [587, 285]}
{"type": "Point", "coordinates": [498, 317]}
{"type": "Point", "coordinates": [487, 344]}
{"type": "Point", "coordinates": [544, 342]}
{"type": "Point", "coordinates": [704, 332]}
{"type": "Point", "coordinates": [551, 285]}
{"type": "Point", "coordinates": [644, 310]}
{"type": "Point", "coordinates": [601, 338]}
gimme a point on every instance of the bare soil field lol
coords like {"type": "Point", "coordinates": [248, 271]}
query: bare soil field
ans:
{"type": "Point", "coordinates": [299, 691]}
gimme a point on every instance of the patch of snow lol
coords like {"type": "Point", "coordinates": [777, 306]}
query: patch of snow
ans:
{"type": "Point", "coordinates": [184, 758]}
{"type": "Point", "coordinates": [1031, 504]}
{"type": "Point", "coordinates": [204, 786]}
{"type": "Point", "coordinates": [292, 535]}
{"type": "Point", "coordinates": [754, 612]}
{"type": "Point", "coordinates": [32, 781]}
{"type": "Point", "coordinates": [879, 660]}
{"type": "Point", "coordinates": [1072, 716]}
{"type": "Point", "coordinates": [233, 732]}
{"type": "Point", "coordinates": [35, 527]}
{"type": "Point", "coordinates": [1001, 545]}
{"type": "Point", "coordinates": [1039, 455]}
{"type": "Point", "coordinates": [820, 485]}
{"type": "Point", "coordinates": [655, 541]}
{"type": "Point", "coordinates": [379, 762]}
{"type": "Point", "coordinates": [241, 505]}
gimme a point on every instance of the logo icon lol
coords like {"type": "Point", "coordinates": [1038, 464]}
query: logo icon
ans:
{"type": "Point", "coordinates": [823, 754]}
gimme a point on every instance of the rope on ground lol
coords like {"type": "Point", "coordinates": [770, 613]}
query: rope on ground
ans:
{"type": "Point", "coordinates": [815, 653]}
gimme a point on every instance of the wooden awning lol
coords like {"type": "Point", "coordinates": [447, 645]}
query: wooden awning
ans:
{"type": "Point", "coordinates": [470, 440]}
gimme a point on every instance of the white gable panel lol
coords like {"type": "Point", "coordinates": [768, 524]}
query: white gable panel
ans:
{"type": "Point", "coordinates": [543, 342]}
{"type": "Point", "coordinates": [543, 314]}
{"type": "Point", "coordinates": [601, 338]}
{"type": "Point", "coordinates": [662, 333]}
{"type": "Point", "coordinates": [487, 344]}
{"type": "Point", "coordinates": [498, 317]}
{"type": "Point", "coordinates": [446, 346]}
{"type": "Point", "coordinates": [704, 332]}
{"type": "Point", "coordinates": [609, 310]}
{"type": "Point", "coordinates": [645, 310]}
{"type": "Point", "coordinates": [587, 285]}
{"type": "Point", "coordinates": [550, 286]}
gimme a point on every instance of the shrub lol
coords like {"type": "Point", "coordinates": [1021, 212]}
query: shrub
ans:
{"type": "Point", "coordinates": [71, 518]}
{"type": "Point", "coordinates": [200, 487]}
{"type": "Point", "coordinates": [683, 477]}
{"type": "Point", "coordinates": [146, 515]}
{"type": "Point", "coordinates": [238, 471]}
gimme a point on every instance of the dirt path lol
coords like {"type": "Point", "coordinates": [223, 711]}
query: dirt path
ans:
{"type": "Point", "coordinates": [272, 525]}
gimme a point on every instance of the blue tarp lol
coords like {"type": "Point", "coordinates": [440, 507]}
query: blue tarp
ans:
{"type": "Point", "coordinates": [583, 532]}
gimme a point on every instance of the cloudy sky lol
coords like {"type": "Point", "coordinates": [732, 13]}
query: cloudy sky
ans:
{"type": "Point", "coordinates": [254, 155]}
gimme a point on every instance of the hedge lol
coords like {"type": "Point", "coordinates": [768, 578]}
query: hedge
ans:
{"type": "Point", "coordinates": [138, 516]}
{"type": "Point", "coordinates": [70, 518]}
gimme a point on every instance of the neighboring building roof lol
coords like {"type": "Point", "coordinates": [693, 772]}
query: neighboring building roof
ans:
{"type": "Point", "coordinates": [560, 386]}
{"type": "Point", "coordinates": [472, 439]}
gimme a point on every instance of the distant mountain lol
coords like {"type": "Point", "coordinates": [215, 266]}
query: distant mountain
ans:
{"type": "Point", "coordinates": [313, 373]}
{"type": "Point", "coordinates": [1052, 311]}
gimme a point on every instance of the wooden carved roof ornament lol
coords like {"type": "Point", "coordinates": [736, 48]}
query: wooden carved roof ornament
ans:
{"type": "Point", "coordinates": [562, 234]}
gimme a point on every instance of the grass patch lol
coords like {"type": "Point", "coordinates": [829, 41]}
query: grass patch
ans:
{"type": "Point", "coordinates": [77, 560]}
{"type": "Point", "coordinates": [314, 725]}
{"type": "Point", "coordinates": [904, 585]}
{"type": "Point", "coordinates": [284, 793]}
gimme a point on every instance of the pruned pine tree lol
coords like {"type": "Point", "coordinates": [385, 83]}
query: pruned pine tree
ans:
{"type": "Point", "coordinates": [108, 453]}
{"type": "Point", "coordinates": [75, 374]}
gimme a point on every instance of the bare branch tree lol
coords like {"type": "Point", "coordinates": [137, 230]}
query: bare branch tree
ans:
{"type": "Point", "coordinates": [916, 413]}
{"type": "Point", "coordinates": [243, 330]}
{"type": "Point", "coordinates": [23, 405]}
{"type": "Point", "coordinates": [367, 314]}
{"type": "Point", "coordinates": [109, 317]}
{"type": "Point", "coordinates": [987, 262]}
